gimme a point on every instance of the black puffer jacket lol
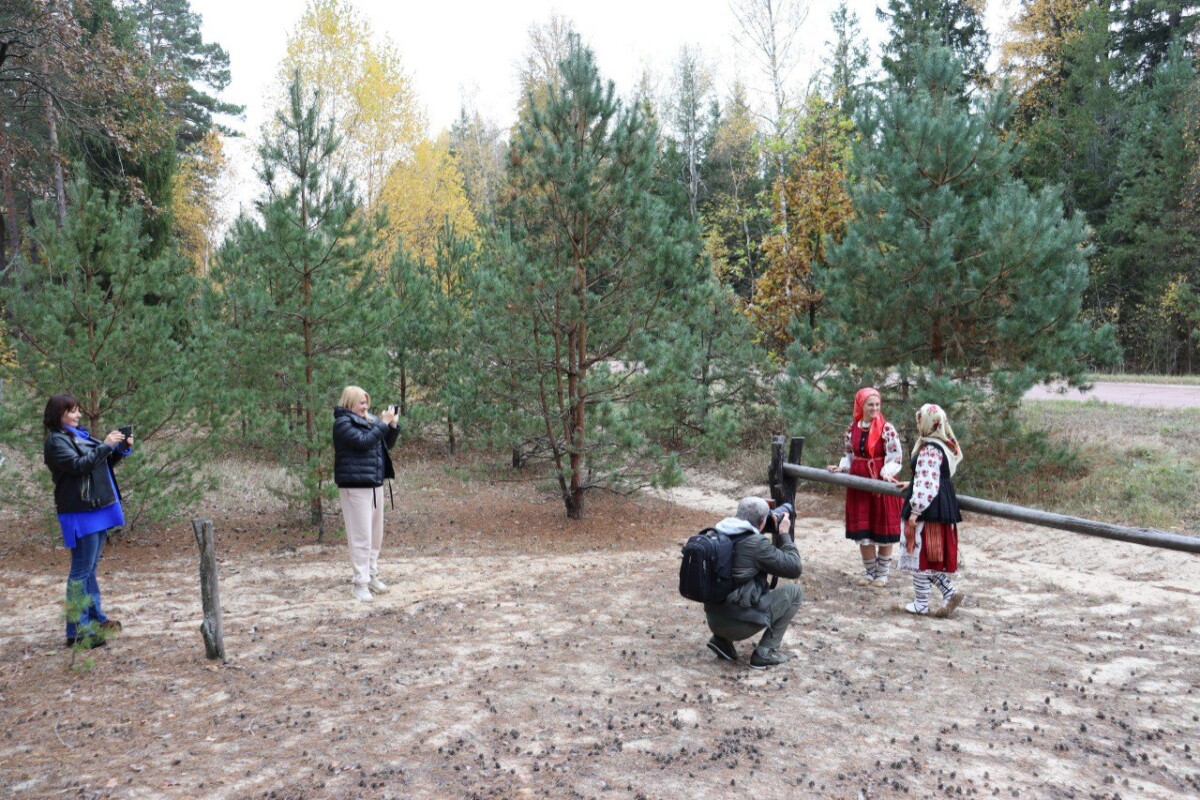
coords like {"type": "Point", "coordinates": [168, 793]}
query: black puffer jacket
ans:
{"type": "Point", "coordinates": [79, 469]}
{"type": "Point", "coordinates": [360, 450]}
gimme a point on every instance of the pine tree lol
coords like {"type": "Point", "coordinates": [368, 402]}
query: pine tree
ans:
{"type": "Point", "coordinates": [1150, 232]}
{"type": "Point", "coordinates": [916, 24]}
{"type": "Point", "coordinates": [1145, 30]}
{"type": "Point", "coordinates": [846, 68]}
{"type": "Point", "coordinates": [188, 72]}
{"type": "Point", "coordinates": [702, 377]}
{"type": "Point", "coordinates": [953, 281]}
{"type": "Point", "coordinates": [93, 315]}
{"type": "Point", "coordinates": [584, 274]}
{"type": "Point", "coordinates": [432, 307]}
{"type": "Point", "coordinates": [306, 312]}
{"type": "Point", "coordinates": [733, 219]}
{"type": "Point", "coordinates": [1071, 115]}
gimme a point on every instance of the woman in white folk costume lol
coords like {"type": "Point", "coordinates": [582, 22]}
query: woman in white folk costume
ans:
{"type": "Point", "coordinates": [873, 450]}
{"type": "Point", "coordinates": [931, 514]}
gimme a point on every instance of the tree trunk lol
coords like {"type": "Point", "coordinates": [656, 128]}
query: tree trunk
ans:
{"type": "Point", "coordinates": [403, 387]}
{"type": "Point", "coordinates": [12, 221]}
{"type": "Point", "coordinates": [60, 189]}
{"type": "Point", "coordinates": [574, 502]}
{"type": "Point", "coordinates": [938, 350]}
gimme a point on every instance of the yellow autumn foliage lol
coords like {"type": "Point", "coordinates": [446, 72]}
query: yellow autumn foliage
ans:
{"type": "Point", "coordinates": [1036, 41]}
{"type": "Point", "coordinates": [419, 195]}
{"type": "Point", "coordinates": [818, 208]}
{"type": "Point", "coordinates": [363, 86]}
{"type": "Point", "coordinates": [194, 200]}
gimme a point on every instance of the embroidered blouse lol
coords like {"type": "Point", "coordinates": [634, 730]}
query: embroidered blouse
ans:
{"type": "Point", "coordinates": [893, 458]}
{"type": "Point", "coordinates": [927, 478]}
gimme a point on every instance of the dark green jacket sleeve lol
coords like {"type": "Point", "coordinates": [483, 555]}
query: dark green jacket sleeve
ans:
{"type": "Point", "coordinates": [752, 557]}
{"type": "Point", "coordinates": [783, 561]}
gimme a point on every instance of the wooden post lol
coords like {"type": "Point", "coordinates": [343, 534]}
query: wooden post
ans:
{"type": "Point", "coordinates": [210, 628]}
{"type": "Point", "coordinates": [775, 471]}
{"type": "Point", "coordinates": [795, 453]}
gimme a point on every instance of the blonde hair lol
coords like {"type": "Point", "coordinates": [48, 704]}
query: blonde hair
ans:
{"type": "Point", "coordinates": [351, 395]}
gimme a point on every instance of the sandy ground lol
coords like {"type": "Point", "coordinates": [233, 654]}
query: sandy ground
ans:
{"type": "Point", "coordinates": [519, 655]}
{"type": "Point", "coordinates": [1142, 395]}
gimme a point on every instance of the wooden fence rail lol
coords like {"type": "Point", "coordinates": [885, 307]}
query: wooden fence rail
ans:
{"type": "Point", "coordinates": [784, 474]}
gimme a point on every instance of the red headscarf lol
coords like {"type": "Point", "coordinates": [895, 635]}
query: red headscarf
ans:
{"type": "Point", "coordinates": [876, 431]}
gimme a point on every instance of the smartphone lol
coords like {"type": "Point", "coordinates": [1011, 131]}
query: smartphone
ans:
{"type": "Point", "coordinates": [126, 431]}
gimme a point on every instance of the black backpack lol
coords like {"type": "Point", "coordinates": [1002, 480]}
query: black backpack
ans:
{"type": "Point", "coordinates": [706, 574]}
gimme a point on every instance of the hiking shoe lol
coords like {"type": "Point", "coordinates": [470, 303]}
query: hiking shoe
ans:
{"type": "Point", "coordinates": [723, 648]}
{"type": "Point", "coordinates": [363, 594]}
{"type": "Point", "coordinates": [761, 659]}
{"type": "Point", "coordinates": [912, 609]}
{"type": "Point", "coordinates": [377, 586]}
{"type": "Point", "coordinates": [109, 627]}
{"type": "Point", "coordinates": [952, 602]}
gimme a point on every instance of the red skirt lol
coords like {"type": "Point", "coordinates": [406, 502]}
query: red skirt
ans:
{"type": "Point", "coordinates": [939, 547]}
{"type": "Point", "coordinates": [868, 515]}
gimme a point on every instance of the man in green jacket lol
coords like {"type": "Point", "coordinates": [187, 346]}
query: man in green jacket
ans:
{"type": "Point", "coordinates": [752, 607]}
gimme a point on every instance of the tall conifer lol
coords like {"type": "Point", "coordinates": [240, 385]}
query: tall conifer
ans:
{"type": "Point", "coordinates": [92, 314]}
{"type": "Point", "coordinates": [587, 274]}
{"type": "Point", "coordinates": [299, 286]}
{"type": "Point", "coordinates": [953, 280]}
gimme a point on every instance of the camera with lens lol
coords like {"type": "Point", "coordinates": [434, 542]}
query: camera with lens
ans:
{"type": "Point", "coordinates": [775, 518]}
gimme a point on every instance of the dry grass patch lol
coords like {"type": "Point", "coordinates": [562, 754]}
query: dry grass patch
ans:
{"type": "Point", "coordinates": [1169, 380]}
{"type": "Point", "coordinates": [1134, 466]}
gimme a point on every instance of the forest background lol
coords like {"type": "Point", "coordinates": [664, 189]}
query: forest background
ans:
{"type": "Point", "coordinates": [615, 285]}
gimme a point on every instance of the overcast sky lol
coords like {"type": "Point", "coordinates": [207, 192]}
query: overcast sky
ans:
{"type": "Point", "coordinates": [456, 48]}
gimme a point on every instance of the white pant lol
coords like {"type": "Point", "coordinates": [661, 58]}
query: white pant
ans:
{"type": "Point", "coordinates": [362, 511]}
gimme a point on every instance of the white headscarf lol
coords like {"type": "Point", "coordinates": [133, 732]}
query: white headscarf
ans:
{"type": "Point", "coordinates": [934, 428]}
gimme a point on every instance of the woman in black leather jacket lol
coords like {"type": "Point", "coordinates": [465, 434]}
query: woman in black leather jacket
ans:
{"type": "Point", "coordinates": [360, 466]}
{"type": "Point", "coordinates": [88, 502]}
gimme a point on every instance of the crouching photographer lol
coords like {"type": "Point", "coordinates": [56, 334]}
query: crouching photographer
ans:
{"type": "Point", "coordinates": [753, 605]}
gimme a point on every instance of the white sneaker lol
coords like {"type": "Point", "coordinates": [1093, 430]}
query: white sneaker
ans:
{"type": "Point", "coordinates": [912, 609]}
{"type": "Point", "coordinates": [377, 586]}
{"type": "Point", "coordinates": [879, 583]}
{"type": "Point", "coordinates": [866, 579]}
{"type": "Point", "coordinates": [363, 594]}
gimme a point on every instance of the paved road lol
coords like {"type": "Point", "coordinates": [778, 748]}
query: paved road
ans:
{"type": "Point", "coordinates": [1144, 395]}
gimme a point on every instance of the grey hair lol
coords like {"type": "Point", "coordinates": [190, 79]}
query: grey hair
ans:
{"type": "Point", "coordinates": [753, 510]}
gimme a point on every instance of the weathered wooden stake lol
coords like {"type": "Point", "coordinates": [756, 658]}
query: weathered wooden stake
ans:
{"type": "Point", "coordinates": [210, 628]}
{"type": "Point", "coordinates": [775, 470]}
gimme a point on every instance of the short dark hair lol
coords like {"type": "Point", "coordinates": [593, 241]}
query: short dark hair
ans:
{"type": "Point", "coordinates": [56, 406]}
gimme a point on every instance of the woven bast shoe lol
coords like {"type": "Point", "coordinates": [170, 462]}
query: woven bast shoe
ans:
{"type": "Point", "coordinates": [954, 601]}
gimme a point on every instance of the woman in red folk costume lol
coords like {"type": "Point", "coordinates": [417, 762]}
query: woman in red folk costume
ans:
{"type": "Point", "coordinates": [873, 450]}
{"type": "Point", "coordinates": [931, 514]}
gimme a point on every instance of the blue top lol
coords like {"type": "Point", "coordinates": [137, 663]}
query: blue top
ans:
{"type": "Point", "coordinates": [78, 524]}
